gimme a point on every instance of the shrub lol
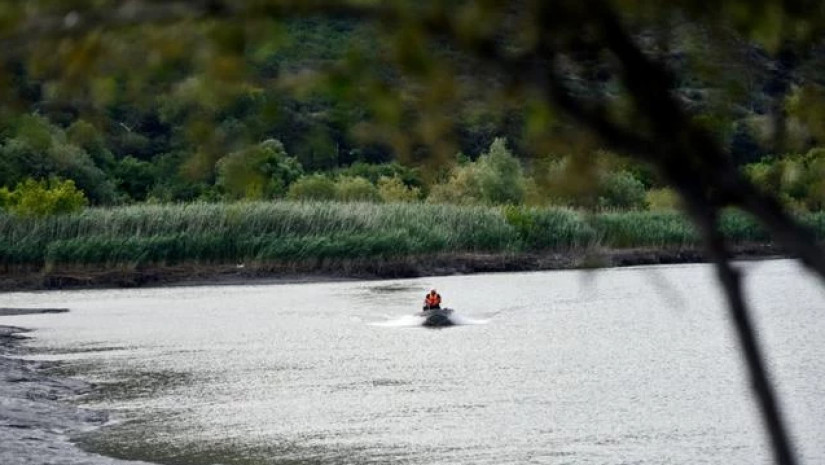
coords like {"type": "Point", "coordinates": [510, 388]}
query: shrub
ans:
{"type": "Point", "coordinates": [356, 189]}
{"type": "Point", "coordinates": [621, 190]}
{"type": "Point", "coordinates": [463, 187]}
{"type": "Point", "coordinates": [374, 172]}
{"type": "Point", "coordinates": [564, 181]}
{"type": "Point", "coordinates": [314, 187]}
{"type": "Point", "coordinates": [43, 198]}
{"type": "Point", "coordinates": [765, 175]}
{"type": "Point", "coordinates": [739, 226]}
{"type": "Point", "coordinates": [662, 199]}
{"type": "Point", "coordinates": [811, 191]}
{"type": "Point", "coordinates": [5, 198]}
{"type": "Point", "coordinates": [394, 190]}
{"type": "Point", "coordinates": [798, 181]}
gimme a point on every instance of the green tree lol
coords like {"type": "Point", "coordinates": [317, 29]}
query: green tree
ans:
{"type": "Point", "coordinates": [25, 151]}
{"type": "Point", "coordinates": [87, 137]}
{"type": "Point", "coordinates": [501, 176]}
{"type": "Point", "coordinates": [134, 177]}
{"type": "Point", "coordinates": [175, 184]}
{"type": "Point", "coordinates": [74, 163]}
{"type": "Point", "coordinates": [263, 171]}
{"type": "Point", "coordinates": [39, 149]}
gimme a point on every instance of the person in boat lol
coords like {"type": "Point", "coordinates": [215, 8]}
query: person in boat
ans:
{"type": "Point", "coordinates": [432, 300]}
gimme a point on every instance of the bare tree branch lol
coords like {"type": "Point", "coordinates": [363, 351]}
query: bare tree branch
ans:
{"type": "Point", "coordinates": [688, 156]}
{"type": "Point", "coordinates": [731, 282]}
{"type": "Point", "coordinates": [695, 160]}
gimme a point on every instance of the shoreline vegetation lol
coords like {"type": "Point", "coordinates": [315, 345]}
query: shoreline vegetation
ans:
{"type": "Point", "coordinates": [210, 243]}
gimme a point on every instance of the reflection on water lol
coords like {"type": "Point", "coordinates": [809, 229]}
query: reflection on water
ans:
{"type": "Point", "coordinates": [555, 367]}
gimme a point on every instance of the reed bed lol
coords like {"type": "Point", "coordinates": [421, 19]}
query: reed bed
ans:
{"type": "Point", "coordinates": [295, 231]}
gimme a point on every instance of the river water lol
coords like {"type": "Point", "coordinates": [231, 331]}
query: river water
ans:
{"type": "Point", "coordinates": [618, 366]}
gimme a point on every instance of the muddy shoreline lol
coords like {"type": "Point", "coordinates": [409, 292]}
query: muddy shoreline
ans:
{"type": "Point", "coordinates": [37, 418]}
{"type": "Point", "coordinates": [364, 269]}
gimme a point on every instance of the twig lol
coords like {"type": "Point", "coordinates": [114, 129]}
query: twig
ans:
{"type": "Point", "coordinates": [730, 279]}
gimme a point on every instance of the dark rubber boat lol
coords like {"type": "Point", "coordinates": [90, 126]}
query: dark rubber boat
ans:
{"type": "Point", "coordinates": [435, 317]}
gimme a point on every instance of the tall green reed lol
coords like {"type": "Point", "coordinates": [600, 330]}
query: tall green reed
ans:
{"type": "Point", "coordinates": [285, 231]}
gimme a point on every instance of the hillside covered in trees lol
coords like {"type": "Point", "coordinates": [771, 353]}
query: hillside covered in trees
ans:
{"type": "Point", "coordinates": [278, 110]}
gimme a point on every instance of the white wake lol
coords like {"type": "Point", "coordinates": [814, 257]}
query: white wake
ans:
{"type": "Point", "coordinates": [415, 320]}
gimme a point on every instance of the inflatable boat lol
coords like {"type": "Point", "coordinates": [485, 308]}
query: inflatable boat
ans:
{"type": "Point", "coordinates": [436, 317]}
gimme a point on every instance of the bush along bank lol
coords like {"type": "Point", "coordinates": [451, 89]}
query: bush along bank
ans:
{"type": "Point", "coordinates": [338, 238]}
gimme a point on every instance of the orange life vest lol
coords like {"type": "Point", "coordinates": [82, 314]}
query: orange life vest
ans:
{"type": "Point", "coordinates": [432, 300]}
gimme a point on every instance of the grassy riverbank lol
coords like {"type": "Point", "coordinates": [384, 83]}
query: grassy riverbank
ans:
{"type": "Point", "coordinates": [323, 236]}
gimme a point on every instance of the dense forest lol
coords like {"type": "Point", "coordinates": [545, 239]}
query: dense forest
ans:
{"type": "Point", "coordinates": [270, 113]}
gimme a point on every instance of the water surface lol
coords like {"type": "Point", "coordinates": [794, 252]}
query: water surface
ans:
{"type": "Point", "coordinates": [630, 365]}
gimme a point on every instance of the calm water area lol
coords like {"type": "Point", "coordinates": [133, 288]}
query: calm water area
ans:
{"type": "Point", "coordinates": [618, 366]}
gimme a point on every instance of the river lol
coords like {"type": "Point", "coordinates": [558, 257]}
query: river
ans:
{"type": "Point", "coordinates": [617, 366]}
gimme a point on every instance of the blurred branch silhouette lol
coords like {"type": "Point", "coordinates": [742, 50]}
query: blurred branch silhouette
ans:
{"type": "Point", "coordinates": [541, 50]}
